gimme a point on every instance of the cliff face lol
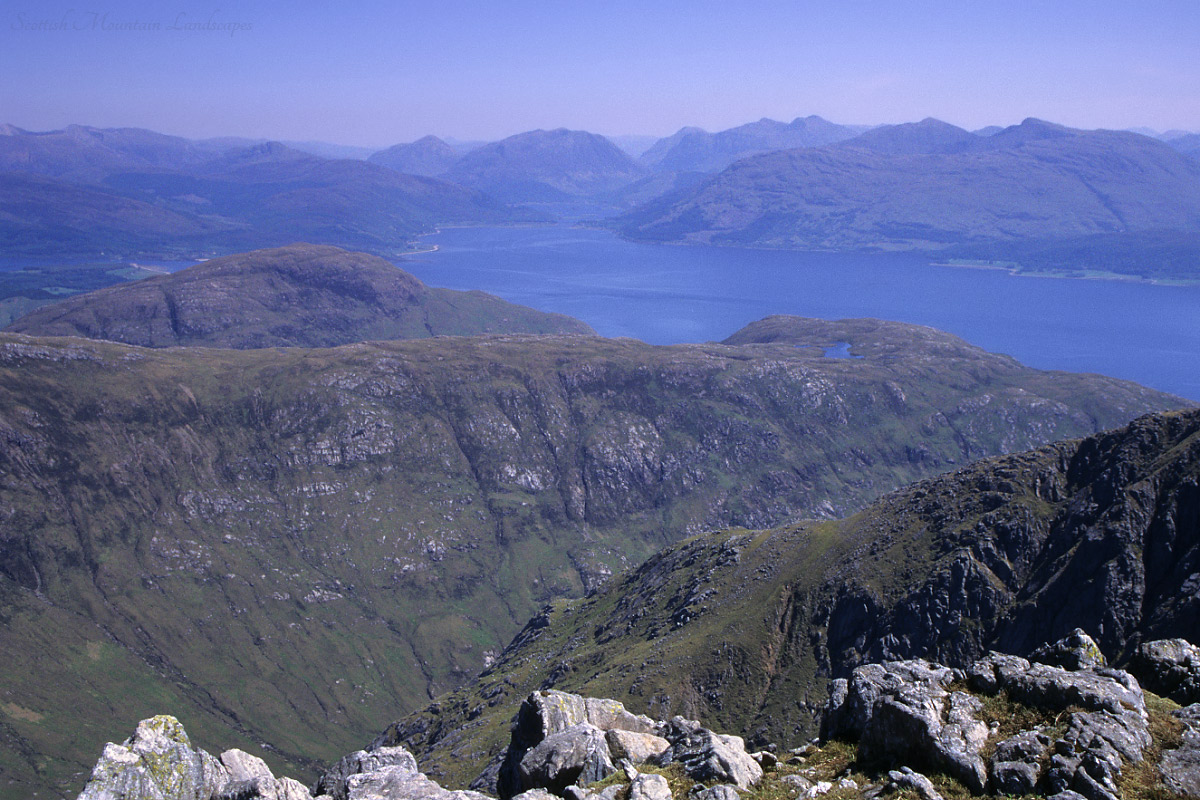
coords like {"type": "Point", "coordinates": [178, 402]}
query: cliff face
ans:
{"type": "Point", "coordinates": [251, 537]}
{"type": "Point", "coordinates": [746, 628]}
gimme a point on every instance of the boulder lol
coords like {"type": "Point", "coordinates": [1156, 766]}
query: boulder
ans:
{"type": "Point", "coordinates": [335, 781]}
{"type": "Point", "coordinates": [545, 713]}
{"type": "Point", "coordinates": [577, 755]}
{"type": "Point", "coordinates": [1171, 668]}
{"type": "Point", "coordinates": [636, 747]}
{"type": "Point", "coordinates": [1075, 651]}
{"type": "Point", "coordinates": [243, 766]}
{"type": "Point", "coordinates": [722, 791]}
{"type": "Point", "coordinates": [902, 712]}
{"type": "Point", "coordinates": [156, 763]}
{"type": "Point", "coordinates": [398, 783]}
{"type": "Point", "coordinates": [649, 787]}
{"type": "Point", "coordinates": [707, 756]}
{"type": "Point", "coordinates": [905, 778]}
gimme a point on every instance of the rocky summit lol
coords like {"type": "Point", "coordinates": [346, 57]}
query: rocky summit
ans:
{"type": "Point", "coordinates": [1005, 726]}
{"type": "Point", "coordinates": [298, 296]}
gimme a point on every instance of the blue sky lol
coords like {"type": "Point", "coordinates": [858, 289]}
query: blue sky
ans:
{"type": "Point", "coordinates": [376, 73]}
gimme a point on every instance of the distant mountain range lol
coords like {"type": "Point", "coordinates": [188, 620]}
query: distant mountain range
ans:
{"type": "Point", "coordinates": [1036, 196]}
{"type": "Point", "coordinates": [297, 296]}
{"type": "Point", "coordinates": [696, 150]}
{"type": "Point", "coordinates": [930, 185]}
{"type": "Point", "coordinates": [128, 192]}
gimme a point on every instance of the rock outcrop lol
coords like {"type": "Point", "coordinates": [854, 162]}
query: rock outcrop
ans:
{"type": "Point", "coordinates": [561, 741]}
{"type": "Point", "coordinates": [1171, 668]}
{"type": "Point", "coordinates": [922, 715]}
{"type": "Point", "coordinates": [157, 763]}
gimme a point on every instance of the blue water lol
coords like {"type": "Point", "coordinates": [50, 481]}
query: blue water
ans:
{"type": "Point", "coordinates": [665, 294]}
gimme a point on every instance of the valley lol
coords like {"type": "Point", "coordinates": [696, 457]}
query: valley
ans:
{"type": "Point", "coordinates": [245, 536]}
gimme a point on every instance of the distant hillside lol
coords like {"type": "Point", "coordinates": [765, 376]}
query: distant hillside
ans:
{"type": "Point", "coordinates": [428, 156]}
{"type": "Point", "coordinates": [297, 296]}
{"type": "Point", "coordinates": [82, 153]}
{"type": "Point", "coordinates": [255, 537]}
{"type": "Point", "coordinates": [1188, 144]}
{"type": "Point", "coordinates": [546, 166]}
{"type": "Point", "coordinates": [747, 628]}
{"type": "Point", "coordinates": [929, 186]}
{"type": "Point", "coordinates": [696, 150]}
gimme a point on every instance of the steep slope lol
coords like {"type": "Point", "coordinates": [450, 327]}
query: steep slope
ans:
{"type": "Point", "coordinates": [546, 166]}
{"type": "Point", "coordinates": [253, 537]}
{"type": "Point", "coordinates": [297, 296]}
{"type": "Point", "coordinates": [428, 156]}
{"type": "Point", "coordinates": [696, 150]}
{"type": "Point", "coordinates": [927, 187]}
{"type": "Point", "coordinates": [744, 629]}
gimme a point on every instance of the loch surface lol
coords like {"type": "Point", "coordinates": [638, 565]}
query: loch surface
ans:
{"type": "Point", "coordinates": [669, 294]}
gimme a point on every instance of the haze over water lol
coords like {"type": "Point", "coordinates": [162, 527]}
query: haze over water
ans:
{"type": "Point", "coordinates": [668, 295]}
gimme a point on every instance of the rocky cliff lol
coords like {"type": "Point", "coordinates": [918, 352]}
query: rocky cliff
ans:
{"type": "Point", "coordinates": [251, 537]}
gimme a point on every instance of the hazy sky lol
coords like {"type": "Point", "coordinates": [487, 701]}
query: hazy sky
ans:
{"type": "Point", "coordinates": [378, 73]}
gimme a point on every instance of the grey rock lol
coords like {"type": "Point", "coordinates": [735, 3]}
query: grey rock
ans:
{"type": "Point", "coordinates": [1025, 746]}
{"type": "Point", "coordinates": [906, 778]}
{"type": "Point", "coordinates": [765, 759]}
{"type": "Point", "coordinates": [722, 791]}
{"type": "Point", "coordinates": [545, 713]}
{"type": "Point", "coordinates": [1014, 777]}
{"type": "Point", "coordinates": [1076, 650]}
{"type": "Point", "coordinates": [1067, 794]}
{"type": "Point", "coordinates": [708, 756]}
{"type": "Point", "coordinates": [1171, 668]}
{"type": "Point", "coordinates": [578, 754]}
{"type": "Point", "coordinates": [335, 780]}
{"type": "Point", "coordinates": [1180, 767]}
{"type": "Point", "coordinates": [535, 794]}
{"type": "Point", "coordinates": [649, 787]}
{"type": "Point", "coordinates": [264, 788]}
{"type": "Point", "coordinates": [902, 712]}
{"type": "Point", "coordinates": [637, 747]}
{"type": "Point", "coordinates": [156, 763]}
{"type": "Point", "coordinates": [243, 766]}
{"type": "Point", "coordinates": [398, 783]}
